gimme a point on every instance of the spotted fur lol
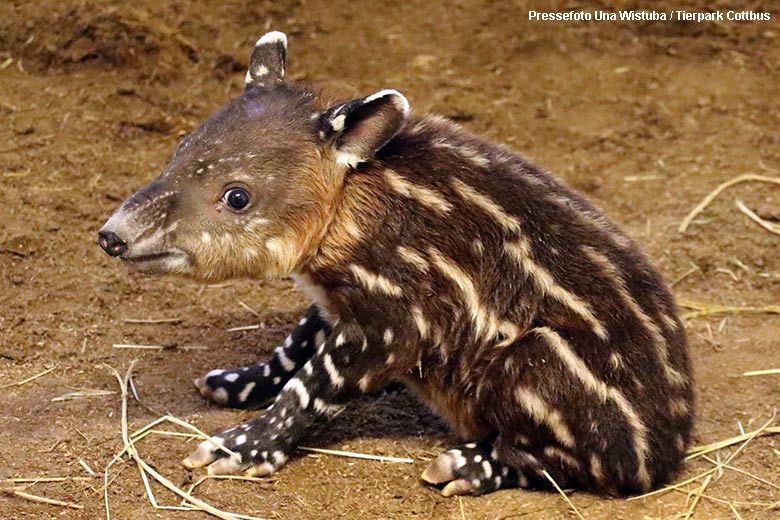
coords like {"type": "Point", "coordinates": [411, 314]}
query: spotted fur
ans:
{"type": "Point", "coordinates": [505, 300]}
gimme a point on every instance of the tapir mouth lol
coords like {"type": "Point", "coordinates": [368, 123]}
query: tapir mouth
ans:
{"type": "Point", "coordinates": [151, 257]}
{"type": "Point", "coordinates": [171, 261]}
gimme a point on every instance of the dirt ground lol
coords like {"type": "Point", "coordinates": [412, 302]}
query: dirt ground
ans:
{"type": "Point", "coordinates": [645, 118]}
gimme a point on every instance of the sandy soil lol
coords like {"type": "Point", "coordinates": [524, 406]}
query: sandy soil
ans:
{"type": "Point", "coordinates": [645, 118]}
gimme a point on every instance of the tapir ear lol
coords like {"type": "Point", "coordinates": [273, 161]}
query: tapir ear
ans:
{"type": "Point", "coordinates": [268, 61]}
{"type": "Point", "coordinates": [359, 128]}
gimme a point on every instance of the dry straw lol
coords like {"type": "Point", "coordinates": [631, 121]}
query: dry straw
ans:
{"type": "Point", "coordinates": [564, 495]}
{"type": "Point", "coordinates": [149, 474]}
{"type": "Point", "coordinates": [146, 471]}
{"type": "Point", "coordinates": [159, 347]}
{"type": "Point", "coordinates": [769, 226]}
{"type": "Point", "coordinates": [355, 455]}
{"type": "Point", "coordinates": [717, 191]}
{"type": "Point", "coordinates": [43, 500]}
{"type": "Point", "coordinates": [82, 394]}
{"type": "Point", "coordinates": [709, 476]}
{"type": "Point", "coordinates": [699, 309]}
{"type": "Point", "coordinates": [29, 379]}
{"type": "Point", "coordinates": [145, 321]}
{"type": "Point", "coordinates": [12, 487]}
{"type": "Point", "coordinates": [767, 372]}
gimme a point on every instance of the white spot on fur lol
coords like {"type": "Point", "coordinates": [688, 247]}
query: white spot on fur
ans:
{"type": "Point", "coordinates": [337, 123]}
{"type": "Point", "coordinates": [544, 413]}
{"type": "Point", "coordinates": [295, 385]}
{"type": "Point", "coordinates": [231, 378]}
{"type": "Point", "coordinates": [287, 364]}
{"type": "Point", "coordinates": [423, 195]}
{"type": "Point", "coordinates": [487, 204]}
{"type": "Point", "coordinates": [388, 336]}
{"type": "Point", "coordinates": [464, 151]}
{"type": "Point", "coordinates": [414, 258]}
{"type": "Point", "coordinates": [375, 282]}
{"type": "Point", "coordinates": [348, 159]}
{"type": "Point", "coordinates": [260, 71]}
{"type": "Point", "coordinates": [419, 320]}
{"type": "Point", "coordinates": [595, 467]}
{"type": "Point", "coordinates": [220, 395]}
{"type": "Point", "coordinates": [566, 458]}
{"type": "Point", "coordinates": [278, 458]}
{"type": "Point", "coordinates": [336, 379]}
{"type": "Point", "coordinates": [242, 397]}
{"type": "Point", "coordinates": [616, 360]}
{"type": "Point", "coordinates": [257, 223]}
{"type": "Point", "coordinates": [486, 323]}
{"type": "Point", "coordinates": [326, 408]}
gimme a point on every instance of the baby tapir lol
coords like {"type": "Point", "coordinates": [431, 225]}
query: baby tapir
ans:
{"type": "Point", "coordinates": [504, 299]}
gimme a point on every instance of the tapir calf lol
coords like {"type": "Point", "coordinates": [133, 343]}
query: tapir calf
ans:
{"type": "Point", "coordinates": [505, 300]}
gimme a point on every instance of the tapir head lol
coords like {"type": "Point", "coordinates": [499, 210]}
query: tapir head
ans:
{"type": "Point", "coordinates": [251, 191]}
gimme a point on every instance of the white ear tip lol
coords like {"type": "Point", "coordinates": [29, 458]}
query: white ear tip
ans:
{"type": "Point", "coordinates": [398, 99]}
{"type": "Point", "coordinates": [273, 37]}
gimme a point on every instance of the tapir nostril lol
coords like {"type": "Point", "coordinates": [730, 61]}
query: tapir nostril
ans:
{"type": "Point", "coordinates": [111, 243]}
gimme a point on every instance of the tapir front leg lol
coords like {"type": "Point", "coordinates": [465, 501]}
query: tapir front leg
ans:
{"type": "Point", "coordinates": [335, 374]}
{"type": "Point", "coordinates": [255, 386]}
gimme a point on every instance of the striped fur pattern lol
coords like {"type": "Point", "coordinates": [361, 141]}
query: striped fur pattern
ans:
{"type": "Point", "coordinates": [505, 300]}
{"type": "Point", "coordinates": [557, 339]}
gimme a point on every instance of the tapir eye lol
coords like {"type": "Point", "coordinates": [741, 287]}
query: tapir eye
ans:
{"type": "Point", "coordinates": [237, 198]}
